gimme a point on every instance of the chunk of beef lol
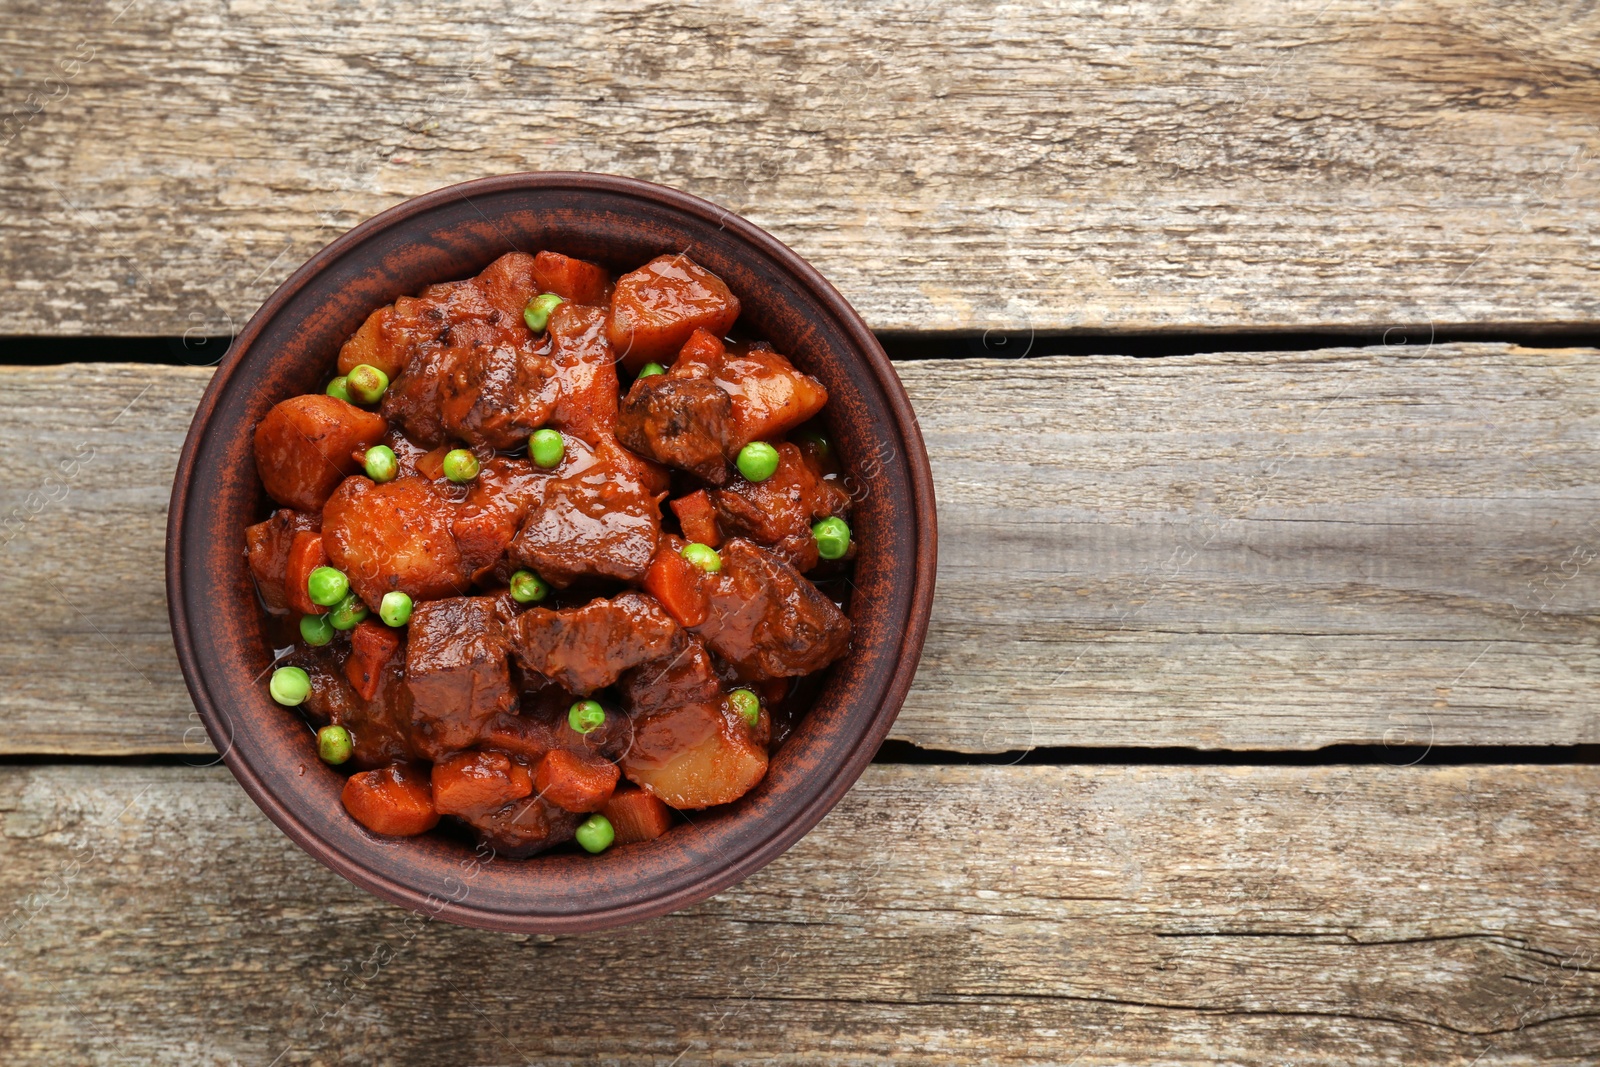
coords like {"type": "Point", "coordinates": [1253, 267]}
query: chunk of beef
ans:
{"type": "Point", "coordinates": [303, 447]}
{"type": "Point", "coordinates": [495, 506]}
{"type": "Point", "coordinates": [470, 359]}
{"type": "Point", "coordinates": [779, 511]}
{"type": "Point", "coordinates": [571, 279]}
{"type": "Point", "coordinates": [267, 551]}
{"type": "Point", "coordinates": [680, 422]}
{"type": "Point", "coordinates": [457, 672]}
{"type": "Point", "coordinates": [654, 309]}
{"type": "Point", "coordinates": [585, 373]}
{"type": "Point", "coordinates": [524, 827]}
{"type": "Point", "coordinates": [393, 536]}
{"type": "Point", "coordinates": [596, 514]}
{"type": "Point", "coordinates": [495, 390]}
{"type": "Point", "coordinates": [380, 727]}
{"type": "Point", "coordinates": [767, 620]}
{"type": "Point", "coordinates": [588, 648]}
{"type": "Point", "coordinates": [686, 677]}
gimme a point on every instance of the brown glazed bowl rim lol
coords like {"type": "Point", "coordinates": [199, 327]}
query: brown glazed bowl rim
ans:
{"type": "Point", "coordinates": [781, 823]}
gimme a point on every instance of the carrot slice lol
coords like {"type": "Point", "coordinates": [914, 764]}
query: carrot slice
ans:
{"type": "Point", "coordinates": [306, 554]}
{"type": "Point", "coordinates": [431, 465]}
{"type": "Point", "coordinates": [678, 585]}
{"type": "Point", "coordinates": [476, 783]}
{"type": "Point", "coordinates": [698, 518]}
{"type": "Point", "coordinates": [636, 816]}
{"type": "Point", "coordinates": [371, 645]}
{"type": "Point", "coordinates": [396, 800]}
{"type": "Point", "coordinates": [576, 781]}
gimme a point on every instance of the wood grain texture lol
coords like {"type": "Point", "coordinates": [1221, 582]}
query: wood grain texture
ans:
{"type": "Point", "coordinates": [1333, 915]}
{"type": "Point", "coordinates": [1264, 550]}
{"type": "Point", "coordinates": [1140, 165]}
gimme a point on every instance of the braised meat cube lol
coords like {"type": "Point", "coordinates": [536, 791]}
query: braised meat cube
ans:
{"type": "Point", "coordinates": [393, 536]}
{"type": "Point", "coordinates": [588, 648]}
{"type": "Point", "coordinates": [654, 309]}
{"type": "Point", "coordinates": [496, 504]}
{"type": "Point", "coordinates": [597, 514]}
{"type": "Point", "coordinates": [457, 672]}
{"type": "Point", "coordinates": [694, 756]}
{"type": "Point", "coordinates": [267, 550]}
{"type": "Point", "coordinates": [497, 391]}
{"type": "Point", "coordinates": [585, 372]}
{"type": "Point", "coordinates": [524, 827]}
{"type": "Point", "coordinates": [687, 677]}
{"type": "Point", "coordinates": [779, 511]}
{"type": "Point", "coordinates": [768, 621]}
{"type": "Point", "coordinates": [571, 279]}
{"type": "Point", "coordinates": [380, 727]}
{"type": "Point", "coordinates": [769, 396]}
{"type": "Point", "coordinates": [541, 725]}
{"type": "Point", "coordinates": [303, 447]}
{"type": "Point", "coordinates": [680, 422]}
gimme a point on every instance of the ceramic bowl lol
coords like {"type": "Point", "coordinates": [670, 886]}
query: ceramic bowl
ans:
{"type": "Point", "coordinates": [288, 347]}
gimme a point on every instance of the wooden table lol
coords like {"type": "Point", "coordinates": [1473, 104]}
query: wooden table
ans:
{"type": "Point", "coordinates": [1257, 720]}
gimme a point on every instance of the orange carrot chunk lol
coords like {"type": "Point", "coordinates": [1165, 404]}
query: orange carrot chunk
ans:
{"type": "Point", "coordinates": [395, 800]}
{"type": "Point", "coordinates": [678, 584]}
{"type": "Point", "coordinates": [576, 781]}
{"type": "Point", "coordinates": [371, 645]}
{"type": "Point", "coordinates": [698, 518]}
{"type": "Point", "coordinates": [476, 783]}
{"type": "Point", "coordinates": [636, 816]}
{"type": "Point", "coordinates": [306, 554]}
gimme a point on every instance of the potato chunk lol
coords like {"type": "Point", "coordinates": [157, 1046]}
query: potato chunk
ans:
{"type": "Point", "coordinates": [303, 447]}
{"type": "Point", "coordinates": [654, 309]}
{"type": "Point", "coordinates": [693, 757]}
{"type": "Point", "coordinates": [393, 536]}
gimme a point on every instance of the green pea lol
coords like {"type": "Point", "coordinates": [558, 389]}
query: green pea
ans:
{"type": "Point", "coordinates": [758, 461]}
{"type": "Point", "coordinates": [746, 704]}
{"type": "Point", "coordinates": [546, 448]}
{"type": "Point", "coordinates": [460, 465]}
{"type": "Point", "coordinates": [528, 588]}
{"type": "Point", "coordinates": [316, 629]}
{"type": "Point", "coordinates": [366, 383]}
{"type": "Point", "coordinates": [595, 833]}
{"type": "Point", "coordinates": [395, 608]}
{"type": "Point", "coordinates": [833, 538]}
{"type": "Point", "coordinates": [381, 464]}
{"type": "Point", "coordinates": [347, 613]}
{"type": "Point", "coordinates": [334, 744]}
{"type": "Point", "coordinates": [339, 388]}
{"type": "Point", "coordinates": [585, 716]}
{"type": "Point", "coordinates": [651, 368]}
{"type": "Point", "coordinates": [289, 686]}
{"type": "Point", "coordinates": [817, 440]}
{"type": "Point", "coordinates": [703, 556]}
{"type": "Point", "coordinates": [327, 586]}
{"type": "Point", "coordinates": [537, 313]}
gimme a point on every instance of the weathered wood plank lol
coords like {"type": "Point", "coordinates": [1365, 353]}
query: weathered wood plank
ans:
{"type": "Point", "coordinates": [1332, 915]}
{"type": "Point", "coordinates": [1140, 165]}
{"type": "Point", "coordinates": [1282, 550]}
